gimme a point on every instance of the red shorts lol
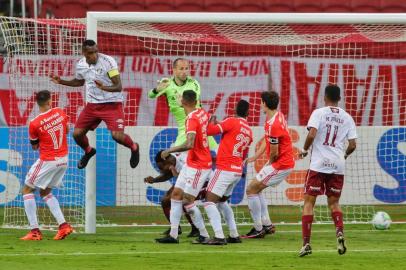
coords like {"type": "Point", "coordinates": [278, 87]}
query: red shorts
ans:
{"type": "Point", "coordinates": [318, 183]}
{"type": "Point", "coordinates": [111, 113]}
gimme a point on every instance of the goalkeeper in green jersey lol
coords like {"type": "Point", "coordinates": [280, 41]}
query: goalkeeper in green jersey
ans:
{"type": "Point", "coordinates": [173, 89]}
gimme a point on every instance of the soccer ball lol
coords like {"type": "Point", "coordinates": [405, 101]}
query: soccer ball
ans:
{"type": "Point", "coordinates": [381, 221]}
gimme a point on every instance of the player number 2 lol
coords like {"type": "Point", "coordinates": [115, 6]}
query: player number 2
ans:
{"type": "Point", "coordinates": [240, 146]}
{"type": "Point", "coordinates": [54, 132]}
{"type": "Point", "coordinates": [328, 136]}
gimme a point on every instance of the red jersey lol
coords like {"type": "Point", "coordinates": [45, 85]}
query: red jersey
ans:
{"type": "Point", "coordinates": [276, 132]}
{"type": "Point", "coordinates": [199, 156]}
{"type": "Point", "coordinates": [50, 129]}
{"type": "Point", "coordinates": [234, 144]}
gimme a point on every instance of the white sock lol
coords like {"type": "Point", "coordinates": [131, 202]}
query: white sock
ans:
{"type": "Point", "coordinates": [228, 215]}
{"type": "Point", "coordinates": [175, 216]}
{"type": "Point", "coordinates": [197, 218]}
{"type": "Point", "coordinates": [54, 207]}
{"type": "Point", "coordinates": [266, 220]}
{"type": "Point", "coordinates": [31, 210]}
{"type": "Point", "coordinates": [215, 218]}
{"type": "Point", "coordinates": [255, 208]}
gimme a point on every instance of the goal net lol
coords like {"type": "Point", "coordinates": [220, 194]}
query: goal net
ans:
{"type": "Point", "coordinates": [231, 61]}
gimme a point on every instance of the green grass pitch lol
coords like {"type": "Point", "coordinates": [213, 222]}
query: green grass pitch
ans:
{"type": "Point", "coordinates": [134, 248]}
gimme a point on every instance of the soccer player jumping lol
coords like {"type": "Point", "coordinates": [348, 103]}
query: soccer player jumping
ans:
{"type": "Point", "coordinates": [47, 134]}
{"type": "Point", "coordinates": [281, 162]}
{"type": "Point", "coordinates": [104, 101]}
{"type": "Point", "coordinates": [329, 128]}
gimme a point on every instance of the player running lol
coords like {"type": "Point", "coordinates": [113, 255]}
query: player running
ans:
{"type": "Point", "coordinates": [278, 146]}
{"type": "Point", "coordinates": [104, 101]}
{"type": "Point", "coordinates": [47, 134]}
{"type": "Point", "coordinates": [170, 167]}
{"type": "Point", "coordinates": [194, 174]}
{"type": "Point", "coordinates": [329, 128]}
{"type": "Point", "coordinates": [234, 145]}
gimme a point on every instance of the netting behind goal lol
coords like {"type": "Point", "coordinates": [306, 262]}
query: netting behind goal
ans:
{"type": "Point", "coordinates": [231, 62]}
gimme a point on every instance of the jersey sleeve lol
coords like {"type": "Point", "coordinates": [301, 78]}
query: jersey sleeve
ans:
{"type": "Point", "coordinates": [226, 125]}
{"type": "Point", "coordinates": [275, 133]}
{"type": "Point", "coordinates": [213, 129]}
{"type": "Point", "coordinates": [352, 131]}
{"type": "Point", "coordinates": [33, 133]}
{"type": "Point", "coordinates": [112, 68]}
{"type": "Point", "coordinates": [196, 87]}
{"type": "Point", "coordinates": [192, 125]}
{"type": "Point", "coordinates": [314, 120]}
{"type": "Point", "coordinates": [78, 75]}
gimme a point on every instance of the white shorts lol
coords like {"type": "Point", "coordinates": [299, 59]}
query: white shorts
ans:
{"type": "Point", "coordinates": [47, 174]}
{"type": "Point", "coordinates": [222, 182]}
{"type": "Point", "coordinates": [271, 177]}
{"type": "Point", "coordinates": [191, 180]}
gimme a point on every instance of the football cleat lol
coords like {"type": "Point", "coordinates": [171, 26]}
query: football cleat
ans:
{"type": "Point", "coordinates": [233, 240]}
{"type": "Point", "coordinates": [254, 234]}
{"type": "Point", "coordinates": [135, 157]}
{"type": "Point", "coordinates": [216, 242]}
{"type": "Point", "coordinates": [341, 248]}
{"type": "Point", "coordinates": [306, 250]}
{"type": "Point", "coordinates": [64, 230]}
{"type": "Point", "coordinates": [33, 235]}
{"type": "Point", "coordinates": [269, 229]}
{"type": "Point", "coordinates": [167, 240]}
{"type": "Point", "coordinates": [85, 159]}
{"type": "Point", "coordinates": [201, 240]}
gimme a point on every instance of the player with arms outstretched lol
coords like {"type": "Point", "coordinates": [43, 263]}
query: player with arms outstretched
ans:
{"type": "Point", "coordinates": [281, 162]}
{"type": "Point", "coordinates": [104, 101]}
{"type": "Point", "coordinates": [196, 171]}
{"type": "Point", "coordinates": [47, 134]}
{"type": "Point", "coordinates": [170, 167]}
{"type": "Point", "coordinates": [329, 128]}
{"type": "Point", "coordinates": [234, 145]}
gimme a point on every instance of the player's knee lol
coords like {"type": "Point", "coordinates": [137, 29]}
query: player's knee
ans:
{"type": "Point", "coordinates": [27, 190]}
{"type": "Point", "coordinates": [44, 192]}
{"type": "Point", "coordinates": [78, 133]}
{"type": "Point", "coordinates": [176, 194]}
{"type": "Point", "coordinates": [252, 189]}
{"type": "Point", "coordinates": [188, 199]}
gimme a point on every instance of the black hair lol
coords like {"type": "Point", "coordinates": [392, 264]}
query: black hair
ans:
{"type": "Point", "coordinates": [158, 157]}
{"type": "Point", "coordinates": [177, 60]}
{"type": "Point", "coordinates": [332, 92]}
{"type": "Point", "coordinates": [271, 99]}
{"type": "Point", "coordinates": [88, 43]}
{"type": "Point", "coordinates": [189, 96]}
{"type": "Point", "coordinates": [242, 108]}
{"type": "Point", "coordinates": [42, 97]}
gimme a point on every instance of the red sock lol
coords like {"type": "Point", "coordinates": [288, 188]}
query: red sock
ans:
{"type": "Point", "coordinates": [338, 221]}
{"type": "Point", "coordinates": [128, 142]}
{"type": "Point", "coordinates": [167, 210]}
{"type": "Point", "coordinates": [188, 217]}
{"type": "Point", "coordinates": [307, 221]}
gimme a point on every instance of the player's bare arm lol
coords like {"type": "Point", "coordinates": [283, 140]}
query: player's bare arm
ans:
{"type": "Point", "coordinates": [309, 141]}
{"type": "Point", "coordinates": [352, 145]}
{"type": "Point", "coordinates": [190, 141]}
{"type": "Point", "coordinates": [116, 87]}
{"type": "Point", "coordinates": [274, 153]}
{"type": "Point", "coordinates": [73, 83]}
{"type": "Point", "coordinates": [259, 152]}
{"type": "Point", "coordinates": [163, 177]}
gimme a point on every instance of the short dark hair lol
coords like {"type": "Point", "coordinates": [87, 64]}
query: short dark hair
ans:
{"type": "Point", "coordinates": [332, 92]}
{"type": "Point", "coordinates": [271, 99]}
{"type": "Point", "coordinates": [42, 97]}
{"type": "Point", "coordinates": [158, 157]}
{"type": "Point", "coordinates": [177, 60]}
{"type": "Point", "coordinates": [242, 108]}
{"type": "Point", "coordinates": [189, 96]}
{"type": "Point", "coordinates": [88, 43]}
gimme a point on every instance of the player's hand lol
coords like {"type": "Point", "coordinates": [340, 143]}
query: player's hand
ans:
{"type": "Point", "coordinates": [164, 154]}
{"type": "Point", "coordinates": [173, 170]}
{"type": "Point", "coordinates": [162, 84]}
{"type": "Point", "coordinates": [55, 79]}
{"type": "Point", "coordinates": [149, 180]}
{"type": "Point", "coordinates": [213, 120]}
{"type": "Point", "coordinates": [302, 153]}
{"type": "Point", "coordinates": [99, 84]}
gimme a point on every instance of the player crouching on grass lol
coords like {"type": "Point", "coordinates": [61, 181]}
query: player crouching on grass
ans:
{"type": "Point", "coordinates": [170, 167]}
{"type": "Point", "coordinates": [281, 162]}
{"type": "Point", "coordinates": [47, 134]}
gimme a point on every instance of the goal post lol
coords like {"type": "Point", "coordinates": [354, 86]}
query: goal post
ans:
{"type": "Point", "coordinates": [233, 56]}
